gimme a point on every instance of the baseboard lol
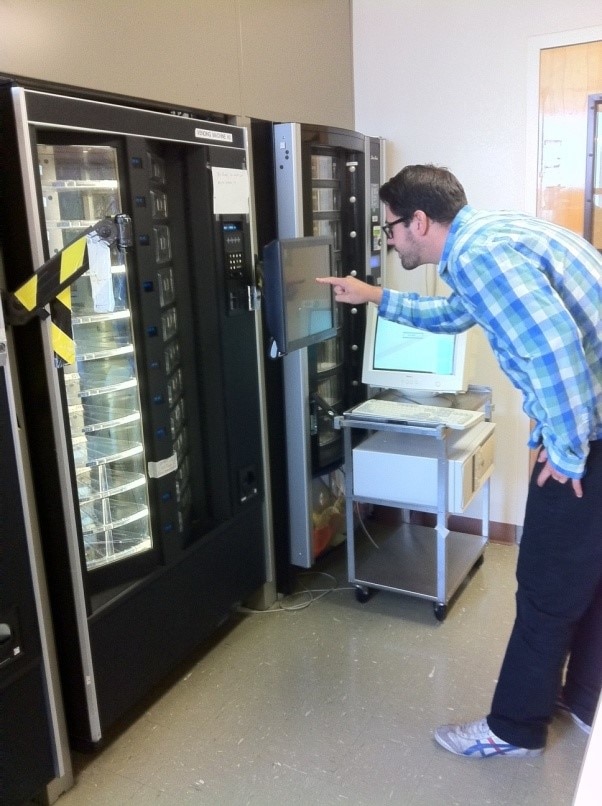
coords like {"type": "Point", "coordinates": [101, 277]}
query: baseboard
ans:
{"type": "Point", "coordinates": [498, 532]}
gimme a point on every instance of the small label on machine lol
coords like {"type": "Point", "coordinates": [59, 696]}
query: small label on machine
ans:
{"type": "Point", "coordinates": [157, 470]}
{"type": "Point", "coordinates": [209, 134]}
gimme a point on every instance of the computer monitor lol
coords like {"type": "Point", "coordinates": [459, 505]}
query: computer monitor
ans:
{"type": "Point", "coordinates": [414, 362]}
{"type": "Point", "coordinates": [298, 310]}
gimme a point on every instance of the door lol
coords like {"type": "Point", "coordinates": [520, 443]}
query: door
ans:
{"type": "Point", "coordinates": [593, 174]}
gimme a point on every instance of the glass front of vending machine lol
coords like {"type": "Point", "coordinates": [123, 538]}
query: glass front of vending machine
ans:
{"type": "Point", "coordinates": [80, 185]}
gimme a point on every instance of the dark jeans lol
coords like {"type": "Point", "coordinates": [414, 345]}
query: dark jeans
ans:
{"type": "Point", "coordinates": [558, 610]}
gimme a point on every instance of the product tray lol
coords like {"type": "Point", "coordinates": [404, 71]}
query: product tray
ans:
{"type": "Point", "coordinates": [102, 415]}
{"type": "Point", "coordinates": [97, 450]}
{"type": "Point", "coordinates": [103, 481]}
{"type": "Point", "coordinates": [117, 544]}
{"type": "Point", "coordinates": [100, 515]}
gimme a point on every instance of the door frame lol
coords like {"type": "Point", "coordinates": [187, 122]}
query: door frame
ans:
{"type": "Point", "coordinates": [535, 45]}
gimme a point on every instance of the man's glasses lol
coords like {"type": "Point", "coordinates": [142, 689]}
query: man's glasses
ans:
{"type": "Point", "coordinates": [387, 227]}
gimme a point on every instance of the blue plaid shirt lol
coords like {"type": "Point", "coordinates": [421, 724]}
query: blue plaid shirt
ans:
{"type": "Point", "coordinates": [536, 290]}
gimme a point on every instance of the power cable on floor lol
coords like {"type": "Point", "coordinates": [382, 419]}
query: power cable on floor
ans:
{"type": "Point", "coordinates": [287, 605]}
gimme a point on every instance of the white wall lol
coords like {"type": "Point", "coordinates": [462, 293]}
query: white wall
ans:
{"type": "Point", "coordinates": [448, 83]}
{"type": "Point", "coordinates": [271, 59]}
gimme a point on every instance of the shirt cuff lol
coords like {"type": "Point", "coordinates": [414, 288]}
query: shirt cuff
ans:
{"type": "Point", "coordinates": [384, 302]}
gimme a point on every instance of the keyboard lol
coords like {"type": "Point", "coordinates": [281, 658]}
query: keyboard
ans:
{"type": "Point", "coordinates": [415, 414]}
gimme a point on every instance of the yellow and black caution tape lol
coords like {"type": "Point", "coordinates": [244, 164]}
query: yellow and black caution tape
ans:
{"type": "Point", "coordinates": [51, 285]}
{"type": "Point", "coordinates": [61, 332]}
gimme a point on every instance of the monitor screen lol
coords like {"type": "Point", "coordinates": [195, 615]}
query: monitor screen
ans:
{"type": "Point", "coordinates": [299, 311]}
{"type": "Point", "coordinates": [407, 359]}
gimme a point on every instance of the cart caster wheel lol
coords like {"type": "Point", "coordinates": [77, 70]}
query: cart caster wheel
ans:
{"type": "Point", "coordinates": [440, 611]}
{"type": "Point", "coordinates": [479, 562]}
{"type": "Point", "coordinates": [362, 595]}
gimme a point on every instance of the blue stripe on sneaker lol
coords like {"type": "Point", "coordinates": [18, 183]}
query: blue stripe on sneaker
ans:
{"type": "Point", "coordinates": [489, 748]}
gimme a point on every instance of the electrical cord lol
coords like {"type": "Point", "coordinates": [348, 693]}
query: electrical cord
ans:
{"type": "Point", "coordinates": [363, 525]}
{"type": "Point", "coordinates": [287, 605]}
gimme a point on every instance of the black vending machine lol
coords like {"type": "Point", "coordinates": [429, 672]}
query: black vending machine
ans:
{"type": "Point", "coordinates": [146, 450]}
{"type": "Point", "coordinates": [34, 756]}
{"type": "Point", "coordinates": [325, 183]}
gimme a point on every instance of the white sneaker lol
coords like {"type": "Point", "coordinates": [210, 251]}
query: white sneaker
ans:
{"type": "Point", "coordinates": [476, 740]}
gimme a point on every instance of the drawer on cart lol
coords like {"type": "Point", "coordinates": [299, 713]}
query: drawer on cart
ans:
{"type": "Point", "coordinates": [402, 468]}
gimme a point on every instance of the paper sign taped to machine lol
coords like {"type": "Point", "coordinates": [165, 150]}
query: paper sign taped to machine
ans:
{"type": "Point", "coordinates": [230, 191]}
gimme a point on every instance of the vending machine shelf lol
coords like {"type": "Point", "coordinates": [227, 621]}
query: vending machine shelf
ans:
{"type": "Point", "coordinates": [325, 183]}
{"type": "Point", "coordinates": [81, 184]}
{"type": "Point", "coordinates": [117, 544]}
{"type": "Point", "coordinates": [327, 366]}
{"type": "Point", "coordinates": [98, 417]}
{"type": "Point", "coordinates": [70, 223]}
{"type": "Point", "coordinates": [116, 387]}
{"type": "Point", "coordinates": [111, 352]}
{"type": "Point", "coordinates": [100, 450]}
{"type": "Point", "coordinates": [95, 519]}
{"type": "Point", "coordinates": [326, 215]}
{"type": "Point", "coordinates": [100, 317]}
{"type": "Point", "coordinates": [95, 483]}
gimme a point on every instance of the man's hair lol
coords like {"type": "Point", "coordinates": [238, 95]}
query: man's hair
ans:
{"type": "Point", "coordinates": [434, 190]}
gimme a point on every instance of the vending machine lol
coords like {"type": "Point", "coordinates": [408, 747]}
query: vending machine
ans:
{"type": "Point", "coordinates": [146, 449]}
{"type": "Point", "coordinates": [34, 755]}
{"type": "Point", "coordinates": [325, 184]}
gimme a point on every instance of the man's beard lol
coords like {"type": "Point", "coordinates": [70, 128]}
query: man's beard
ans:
{"type": "Point", "coordinates": [410, 260]}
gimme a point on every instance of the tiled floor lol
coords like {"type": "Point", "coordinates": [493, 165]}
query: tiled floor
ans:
{"type": "Point", "coordinates": [334, 703]}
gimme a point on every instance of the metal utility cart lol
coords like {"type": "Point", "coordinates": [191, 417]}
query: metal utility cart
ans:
{"type": "Point", "coordinates": [427, 562]}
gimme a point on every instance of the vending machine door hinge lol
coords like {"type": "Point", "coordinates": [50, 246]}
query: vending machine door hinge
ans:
{"type": "Point", "coordinates": [254, 297]}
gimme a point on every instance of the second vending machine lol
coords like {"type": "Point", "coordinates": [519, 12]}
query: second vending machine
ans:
{"type": "Point", "coordinates": [326, 183]}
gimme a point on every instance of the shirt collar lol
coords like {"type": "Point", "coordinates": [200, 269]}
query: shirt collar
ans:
{"type": "Point", "coordinates": [460, 219]}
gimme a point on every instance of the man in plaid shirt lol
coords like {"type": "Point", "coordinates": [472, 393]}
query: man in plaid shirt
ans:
{"type": "Point", "coordinates": [536, 290]}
